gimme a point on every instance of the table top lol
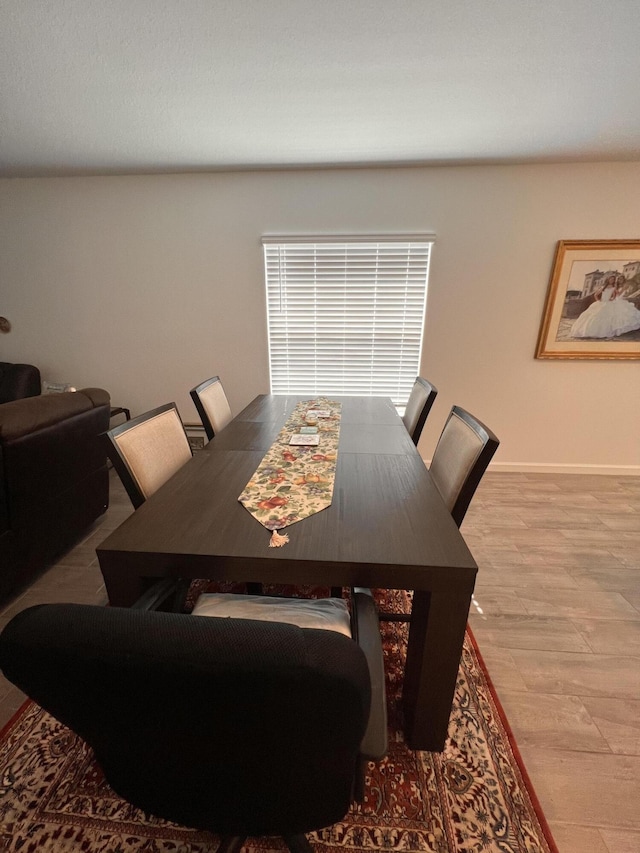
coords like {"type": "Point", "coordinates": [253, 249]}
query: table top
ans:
{"type": "Point", "coordinates": [386, 527]}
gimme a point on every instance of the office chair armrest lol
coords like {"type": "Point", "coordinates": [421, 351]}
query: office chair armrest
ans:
{"type": "Point", "coordinates": [166, 594]}
{"type": "Point", "coordinates": [366, 632]}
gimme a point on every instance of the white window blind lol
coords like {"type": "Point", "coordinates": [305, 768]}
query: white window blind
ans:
{"type": "Point", "coordinates": [346, 315]}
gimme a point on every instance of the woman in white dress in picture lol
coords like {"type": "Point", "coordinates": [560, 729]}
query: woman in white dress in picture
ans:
{"type": "Point", "coordinates": [609, 316]}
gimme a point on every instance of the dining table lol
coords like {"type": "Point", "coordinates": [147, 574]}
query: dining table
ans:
{"type": "Point", "coordinates": [387, 527]}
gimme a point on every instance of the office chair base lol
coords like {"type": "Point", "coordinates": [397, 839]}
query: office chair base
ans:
{"type": "Point", "coordinates": [298, 843]}
{"type": "Point", "coordinates": [295, 843]}
{"type": "Point", "coordinates": [231, 843]}
{"type": "Point", "coordinates": [394, 617]}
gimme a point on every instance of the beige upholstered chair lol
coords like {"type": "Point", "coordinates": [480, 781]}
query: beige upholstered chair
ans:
{"type": "Point", "coordinates": [147, 450]}
{"type": "Point", "coordinates": [212, 405]}
{"type": "Point", "coordinates": [464, 449]}
{"type": "Point", "coordinates": [419, 405]}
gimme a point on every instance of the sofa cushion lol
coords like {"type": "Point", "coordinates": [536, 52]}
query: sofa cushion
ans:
{"type": "Point", "coordinates": [22, 417]}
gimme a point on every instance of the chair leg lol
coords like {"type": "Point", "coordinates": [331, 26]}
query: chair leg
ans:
{"type": "Point", "coordinates": [231, 843]}
{"type": "Point", "coordinates": [298, 843]}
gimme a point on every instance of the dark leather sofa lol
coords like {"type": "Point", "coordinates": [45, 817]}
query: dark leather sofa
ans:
{"type": "Point", "coordinates": [53, 478]}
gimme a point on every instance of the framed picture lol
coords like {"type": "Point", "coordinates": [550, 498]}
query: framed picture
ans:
{"type": "Point", "coordinates": [593, 302]}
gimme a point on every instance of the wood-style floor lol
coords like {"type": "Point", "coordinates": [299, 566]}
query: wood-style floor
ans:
{"type": "Point", "coordinates": [557, 617]}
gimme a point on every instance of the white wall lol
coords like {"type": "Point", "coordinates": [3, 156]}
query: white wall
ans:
{"type": "Point", "coordinates": [145, 285]}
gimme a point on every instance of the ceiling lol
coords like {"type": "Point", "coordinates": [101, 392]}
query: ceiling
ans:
{"type": "Point", "coordinates": [142, 86]}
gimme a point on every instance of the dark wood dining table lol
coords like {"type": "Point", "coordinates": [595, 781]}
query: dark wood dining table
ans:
{"type": "Point", "coordinates": [387, 527]}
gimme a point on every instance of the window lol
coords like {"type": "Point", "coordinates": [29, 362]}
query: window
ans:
{"type": "Point", "coordinates": [346, 315]}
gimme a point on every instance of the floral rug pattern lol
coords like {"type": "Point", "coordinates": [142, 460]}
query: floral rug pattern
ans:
{"type": "Point", "coordinates": [472, 798]}
{"type": "Point", "coordinates": [295, 481]}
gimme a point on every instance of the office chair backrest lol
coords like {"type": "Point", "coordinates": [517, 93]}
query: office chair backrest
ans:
{"type": "Point", "coordinates": [212, 405]}
{"type": "Point", "coordinates": [230, 725]}
{"type": "Point", "coordinates": [418, 407]}
{"type": "Point", "coordinates": [147, 450]}
{"type": "Point", "coordinates": [465, 448]}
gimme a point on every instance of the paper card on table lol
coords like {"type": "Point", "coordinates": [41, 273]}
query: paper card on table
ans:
{"type": "Point", "coordinates": [318, 413]}
{"type": "Point", "coordinates": [309, 430]}
{"type": "Point", "coordinates": [304, 439]}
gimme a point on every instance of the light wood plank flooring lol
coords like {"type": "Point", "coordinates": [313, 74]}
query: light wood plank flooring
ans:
{"type": "Point", "coordinates": [556, 614]}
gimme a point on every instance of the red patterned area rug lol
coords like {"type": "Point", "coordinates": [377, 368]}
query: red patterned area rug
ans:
{"type": "Point", "coordinates": [475, 797]}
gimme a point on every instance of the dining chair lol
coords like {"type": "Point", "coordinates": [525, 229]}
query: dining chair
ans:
{"type": "Point", "coordinates": [147, 450]}
{"type": "Point", "coordinates": [418, 407]}
{"type": "Point", "coordinates": [237, 726]}
{"type": "Point", "coordinates": [212, 405]}
{"type": "Point", "coordinates": [464, 450]}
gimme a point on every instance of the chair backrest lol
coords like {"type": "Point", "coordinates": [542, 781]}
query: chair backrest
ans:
{"type": "Point", "coordinates": [418, 407]}
{"type": "Point", "coordinates": [230, 725]}
{"type": "Point", "coordinates": [18, 381]}
{"type": "Point", "coordinates": [147, 450]}
{"type": "Point", "coordinates": [462, 454]}
{"type": "Point", "coordinates": [212, 405]}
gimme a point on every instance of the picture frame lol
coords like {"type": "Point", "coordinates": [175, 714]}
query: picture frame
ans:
{"type": "Point", "coordinates": [586, 316]}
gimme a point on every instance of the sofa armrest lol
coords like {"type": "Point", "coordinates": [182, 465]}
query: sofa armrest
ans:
{"type": "Point", "coordinates": [98, 396]}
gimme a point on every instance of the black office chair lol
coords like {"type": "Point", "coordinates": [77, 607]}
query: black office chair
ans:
{"type": "Point", "coordinates": [421, 399]}
{"type": "Point", "coordinates": [212, 405]}
{"type": "Point", "coordinates": [235, 726]}
{"type": "Point", "coordinates": [464, 450]}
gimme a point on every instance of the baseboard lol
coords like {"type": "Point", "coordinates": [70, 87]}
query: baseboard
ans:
{"type": "Point", "coordinates": [196, 435]}
{"type": "Point", "coordinates": [568, 468]}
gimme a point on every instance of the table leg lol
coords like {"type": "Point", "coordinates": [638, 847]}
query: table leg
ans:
{"type": "Point", "coordinates": [436, 636]}
{"type": "Point", "coordinates": [123, 585]}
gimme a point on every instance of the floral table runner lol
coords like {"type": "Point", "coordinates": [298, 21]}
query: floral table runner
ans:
{"type": "Point", "coordinates": [295, 478]}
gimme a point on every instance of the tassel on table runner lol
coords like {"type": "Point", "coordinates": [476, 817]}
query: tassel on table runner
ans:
{"type": "Point", "coordinates": [295, 478]}
{"type": "Point", "coordinates": [278, 539]}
